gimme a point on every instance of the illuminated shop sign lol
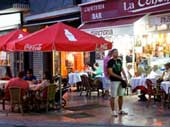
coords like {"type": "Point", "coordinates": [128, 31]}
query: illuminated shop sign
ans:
{"type": "Point", "coordinates": [121, 8]}
{"type": "Point", "coordinates": [8, 21]}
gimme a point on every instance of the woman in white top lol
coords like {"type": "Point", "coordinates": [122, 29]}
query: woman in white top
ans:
{"type": "Point", "coordinates": [47, 79]}
{"type": "Point", "coordinates": [166, 73]}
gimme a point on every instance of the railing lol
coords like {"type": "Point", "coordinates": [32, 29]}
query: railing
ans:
{"type": "Point", "coordinates": [21, 4]}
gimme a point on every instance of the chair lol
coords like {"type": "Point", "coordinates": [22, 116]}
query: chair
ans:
{"type": "Point", "coordinates": [57, 96]}
{"type": "Point", "coordinates": [16, 98]}
{"type": "Point", "coordinates": [85, 85]}
{"type": "Point", "coordinates": [50, 92]}
{"type": "Point", "coordinates": [168, 98]}
{"type": "Point", "coordinates": [96, 85]}
{"type": "Point", "coordinates": [155, 92]}
{"type": "Point", "coordinates": [2, 98]}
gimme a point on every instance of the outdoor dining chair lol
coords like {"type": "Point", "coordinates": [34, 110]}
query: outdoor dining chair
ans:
{"type": "Point", "coordinates": [157, 92]}
{"type": "Point", "coordinates": [85, 85]}
{"type": "Point", "coordinates": [47, 96]}
{"type": "Point", "coordinates": [16, 98]}
{"type": "Point", "coordinates": [168, 98]}
{"type": "Point", "coordinates": [51, 91]}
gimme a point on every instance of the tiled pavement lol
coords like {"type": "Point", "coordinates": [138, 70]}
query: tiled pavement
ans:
{"type": "Point", "coordinates": [91, 112]}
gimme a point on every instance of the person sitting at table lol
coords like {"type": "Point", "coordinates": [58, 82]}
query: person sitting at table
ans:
{"type": "Point", "coordinates": [47, 80]}
{"type": "Point", "coordinates": [154, 73]}
{"type": "Point", "coordinates": [166, 74]}
{"type": "Point", "coordinates": [88, 70]}
{"type": "Point", "coordinates": [98, 71]}
{"type": "Point", "coordinates": [16, 82]}
{"type": "Point", "coordinates": [30, 77]}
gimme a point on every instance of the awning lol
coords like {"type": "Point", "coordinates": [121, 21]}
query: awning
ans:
{"type": "Point", "coordinates": [52, 14]}
{"type": "Point", "coordinates": [50, 22]}
{"type": "Point", "coordinates": [111, 22]}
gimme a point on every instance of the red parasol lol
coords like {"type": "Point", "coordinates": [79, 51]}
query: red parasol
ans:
{"type": "Point", "coordinates": [11, 36]}
{"type": "Point", "coordinates": [59, 37]}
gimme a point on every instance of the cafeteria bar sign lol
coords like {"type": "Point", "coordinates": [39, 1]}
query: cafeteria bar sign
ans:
{"type": "Point", "coordinates": [112, 9]}
{"type": "Point", "coordinates": [143, 5]}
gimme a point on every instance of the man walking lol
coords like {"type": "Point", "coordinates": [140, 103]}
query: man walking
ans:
{"type": "Point", "coordinates": [114, 71]}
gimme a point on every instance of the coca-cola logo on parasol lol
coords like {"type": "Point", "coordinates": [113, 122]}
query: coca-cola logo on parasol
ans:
{"type": "Point", "coordinates": [69, 35]}
{"type": "Point", "coordinates": [36, 47]}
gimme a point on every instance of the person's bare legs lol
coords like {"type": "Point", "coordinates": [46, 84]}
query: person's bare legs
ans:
{"type": "Point", "coordinates": [120, 102]}
{"type": "Point", "coordinates": [112, 103]}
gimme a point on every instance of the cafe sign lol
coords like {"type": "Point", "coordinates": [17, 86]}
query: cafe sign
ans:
{"type": "Point", "coordinates": [121, 8]}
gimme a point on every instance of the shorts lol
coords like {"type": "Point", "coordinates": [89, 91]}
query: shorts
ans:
{"type": "Point", "coordinates": [116, 89]}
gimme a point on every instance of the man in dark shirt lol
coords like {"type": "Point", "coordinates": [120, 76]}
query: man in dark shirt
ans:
{"type": "Point", "coordinates": [114, 71]}
{"type": "Point", "coordinates": [29, 76]}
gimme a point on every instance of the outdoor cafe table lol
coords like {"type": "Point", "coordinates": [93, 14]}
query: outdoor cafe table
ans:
{"type": "Point", "coordinates": [140, 81]}
{"type": "Point", "coordinates": [165, 85]}
{"type": "Point", "coordinates": [2, 83]}
{"type": "Point", "coordinates": [74, 78]}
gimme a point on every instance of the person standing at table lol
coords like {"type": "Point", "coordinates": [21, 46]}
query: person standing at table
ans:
{"type": "Point", "coordinates": [106, 81]}
{"type": "Point", "coordinates": [114, 71]}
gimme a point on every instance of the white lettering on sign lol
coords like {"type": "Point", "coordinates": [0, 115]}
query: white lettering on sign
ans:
{"type": "Point", "coordinates": [36, 47]}
{"type": "Point", "coordinates": [94, 8]}
{"type": "Point", "coordinates": [144, 5]}
{"type": "Point", "coordinates": [97, 15]}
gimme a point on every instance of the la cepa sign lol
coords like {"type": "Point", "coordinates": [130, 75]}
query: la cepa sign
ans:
{"type": "Point", "coordinates": [142, 5]}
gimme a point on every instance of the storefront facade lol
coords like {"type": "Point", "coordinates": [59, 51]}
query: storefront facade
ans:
{"type": "Point", "coordinates": [124, 23]}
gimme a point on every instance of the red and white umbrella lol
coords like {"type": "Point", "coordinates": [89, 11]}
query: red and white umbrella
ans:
{"type": "Point", "coordinates": [11, 36]}
{"type": "Point", "coordinates": [59, 37]}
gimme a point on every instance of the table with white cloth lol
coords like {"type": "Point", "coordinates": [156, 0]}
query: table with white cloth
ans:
{"type": "Point", "coordinates": [83, 73]}
{"type": "Point", "coordinates": [165, 85]}
{"type": "Point", "coordinates": [2, 83]}
{"type": "Point", "coordinates": [141, 81]}
{"type": "Point", "coordinates": [74, 78]}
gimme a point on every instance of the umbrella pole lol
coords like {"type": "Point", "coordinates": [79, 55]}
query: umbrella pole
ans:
{"type": "Point", "coordinates": [60, 82]}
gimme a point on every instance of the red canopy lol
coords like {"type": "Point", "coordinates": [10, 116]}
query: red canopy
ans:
{"type": "Point", "coordinates": [59, 37]}
{"type": "Point", "coordinates": [11, 36]}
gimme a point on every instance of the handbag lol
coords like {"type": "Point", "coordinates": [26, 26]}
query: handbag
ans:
{"type": "Point", "coordinates": [123, 84]}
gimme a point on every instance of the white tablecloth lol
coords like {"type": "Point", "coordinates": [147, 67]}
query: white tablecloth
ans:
{"type": "Point", "coordinates": [139, 81]}
{"type": "Point", "coordinates": [165, 85]}
{"type": "Point", "coordinates": [73, 78]}
{"type": "Point", "coordinates": [3, 82]}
